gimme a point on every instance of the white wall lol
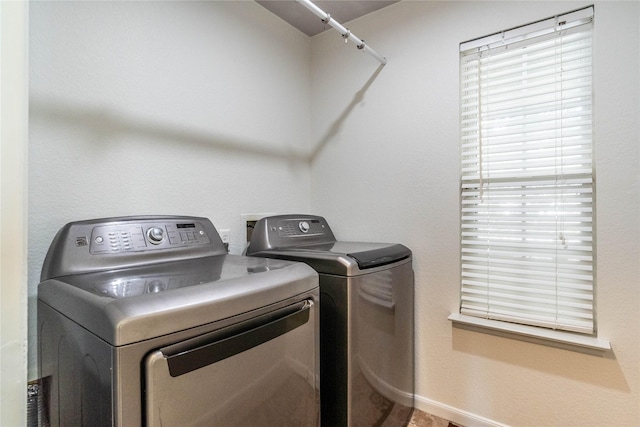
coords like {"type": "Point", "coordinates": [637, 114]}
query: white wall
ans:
{"type": "Point", "coordinates": [13, 212]}
{"type": "Point", "coordinates": [387, 152]}
{"type": "Point", "coordinates": [136, 108]}
{"type": "Point", "coordinates": [208, 108]}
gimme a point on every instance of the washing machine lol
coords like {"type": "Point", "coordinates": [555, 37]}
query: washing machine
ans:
{"type": "Point", "coordinates": [366, 318]}
{"type": "Point", "coordinates": [147, 321]}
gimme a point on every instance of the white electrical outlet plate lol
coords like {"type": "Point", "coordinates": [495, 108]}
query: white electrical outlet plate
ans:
{"type": "Point", "coordinates": [225, 235]}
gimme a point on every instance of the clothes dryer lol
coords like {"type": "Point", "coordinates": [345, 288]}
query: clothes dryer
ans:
{"type": "Point", "coordinates": [366, 318]}
{"type": "Point", "coordinates": [147, 321]}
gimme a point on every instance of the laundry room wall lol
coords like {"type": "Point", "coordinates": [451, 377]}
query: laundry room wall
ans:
{"type": "Point", "coordinates": [385, 167]}
{"type": "Point", "coordinates": [140, 108]}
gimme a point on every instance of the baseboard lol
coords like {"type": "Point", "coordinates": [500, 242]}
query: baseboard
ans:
{"type": "Point", "coordinates": [455, 415]}
{"type": "Point", "coordinates": [385, 389]}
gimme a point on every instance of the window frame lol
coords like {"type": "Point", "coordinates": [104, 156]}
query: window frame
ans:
{"type": "Point", "coordinates": [549, 28]}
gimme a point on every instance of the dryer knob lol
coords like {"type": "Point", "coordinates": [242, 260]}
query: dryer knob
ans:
{"type": "Point", "coordinates": [156, 235]}
{"type": "Point", "coordinates": [304, 226]}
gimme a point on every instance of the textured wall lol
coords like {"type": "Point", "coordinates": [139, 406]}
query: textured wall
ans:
{"type": "Point", "coordinates": [386, 150]}
{"type": "Point", "coordinates": [196, 108]}
{"type": "Point", "coordinates": [205, 109]}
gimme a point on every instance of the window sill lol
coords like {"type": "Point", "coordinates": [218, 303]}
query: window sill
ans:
{"type": "Point", "coordinates": [559, 339]}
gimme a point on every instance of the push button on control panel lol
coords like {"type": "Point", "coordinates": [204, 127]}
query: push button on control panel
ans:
{"type": "Point", "coordinates": [187, 234]}
{"type": "Point", "coordinates": [114, 239]}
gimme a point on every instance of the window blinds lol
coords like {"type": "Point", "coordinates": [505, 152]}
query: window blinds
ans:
{"type": "Point", "coordinates": [526, 174]}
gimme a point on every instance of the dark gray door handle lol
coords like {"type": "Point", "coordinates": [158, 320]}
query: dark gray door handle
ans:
{"type": "Point", "coordinates": [215, 346]}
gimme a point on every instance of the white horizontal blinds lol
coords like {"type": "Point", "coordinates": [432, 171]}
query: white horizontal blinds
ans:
{"type": "Point", "coordinates": [526, 184]}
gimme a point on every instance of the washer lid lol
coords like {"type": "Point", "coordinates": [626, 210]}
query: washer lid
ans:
{"type": "Point", "coordinates": [343, 258]}
{"type": "Point", "coordinates": [379, 257]}
{"type": "Point", "coordinates": [134, 304]}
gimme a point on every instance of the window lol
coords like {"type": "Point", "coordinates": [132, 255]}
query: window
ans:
{"type": "Point", "coordinates": [527, 190]}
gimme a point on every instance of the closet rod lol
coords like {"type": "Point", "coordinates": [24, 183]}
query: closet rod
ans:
{"type": "Point", "coordinates": [346, 34]}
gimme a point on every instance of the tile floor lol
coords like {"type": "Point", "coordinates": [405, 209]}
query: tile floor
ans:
{"type": "Point", "coordinates": [422, 419]}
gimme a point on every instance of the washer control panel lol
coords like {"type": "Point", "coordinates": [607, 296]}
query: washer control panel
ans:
{"type": "Point", "coordinates": [286, 231]}
{"type": "Point", "coordinates": [299, 227]}
{"type": "Point", "coordinates": [118, 238]}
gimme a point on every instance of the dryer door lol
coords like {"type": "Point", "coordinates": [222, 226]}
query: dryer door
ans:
{"type": "Point", "coordinates": [259, 372]}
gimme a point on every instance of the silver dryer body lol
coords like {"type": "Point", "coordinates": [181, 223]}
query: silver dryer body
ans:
{"type": "Point", "coordinates": [147, 321]}
{"type": "Point", "coordinates": [366, 318]}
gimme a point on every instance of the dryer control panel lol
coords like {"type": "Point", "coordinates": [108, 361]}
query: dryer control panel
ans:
{"type": "Point", "coordinates": [112, 243]}
{"type": "Point", "coordinates": [142, 237]}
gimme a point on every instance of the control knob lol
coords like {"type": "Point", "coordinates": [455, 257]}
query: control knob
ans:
{"type": "Point", "coordinates": [304, 226]}
{"type": "Point", "coordinates": [155, 235]}
{"type": "Point", "coordinates": [156, 286]}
